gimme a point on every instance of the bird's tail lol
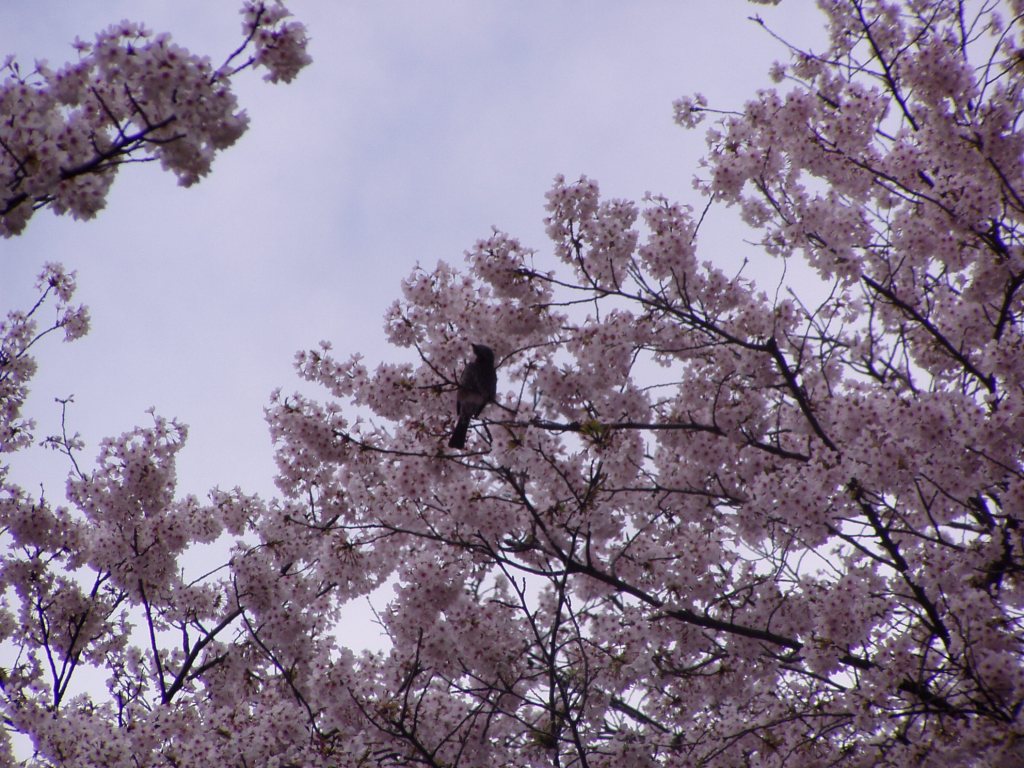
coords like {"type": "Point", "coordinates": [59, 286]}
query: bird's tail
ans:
{"type": "Point", "coordinates": [458, 438]}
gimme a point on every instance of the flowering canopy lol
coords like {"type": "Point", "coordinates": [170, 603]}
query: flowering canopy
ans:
{"type": "Point", "coordinates": [701, 525]}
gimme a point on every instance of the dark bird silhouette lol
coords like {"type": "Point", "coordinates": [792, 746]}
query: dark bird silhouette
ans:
{"type": "Point", "coordinates": [477, 387]}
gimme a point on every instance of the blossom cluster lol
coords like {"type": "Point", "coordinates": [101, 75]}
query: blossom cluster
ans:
{"type": "Point", "coordinates": [19, 331]}
{"type": "Point", "coordinates": [280, 44]}
{"type": "Point", "coordinates": [130, 96]}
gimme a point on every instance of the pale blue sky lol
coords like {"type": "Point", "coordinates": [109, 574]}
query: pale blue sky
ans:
{"type": "Point", "coordinates": [418, 127]}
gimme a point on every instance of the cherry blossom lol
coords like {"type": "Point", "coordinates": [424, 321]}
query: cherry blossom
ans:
{"type": "Point", "coordinates": [704, 522]}
{"type": "Point", "coordinates": [132, 96]}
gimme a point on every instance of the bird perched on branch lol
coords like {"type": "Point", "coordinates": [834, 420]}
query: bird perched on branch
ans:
{"type": "Point", "coordinates": [477, 387]}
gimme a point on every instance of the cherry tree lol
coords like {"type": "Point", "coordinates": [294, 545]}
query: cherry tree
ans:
{"type": "Point", "coordinates": [703, 523]}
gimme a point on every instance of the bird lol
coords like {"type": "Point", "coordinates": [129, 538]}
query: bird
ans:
{"type": "Point", "coordinates": [477, 387]}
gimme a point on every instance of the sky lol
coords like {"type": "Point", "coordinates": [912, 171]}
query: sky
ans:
{"type": "Point", "coordinates": [418, 127]}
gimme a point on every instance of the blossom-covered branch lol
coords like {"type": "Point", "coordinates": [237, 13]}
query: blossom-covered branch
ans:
{"type": "Point", "coordinates": [131, 96]}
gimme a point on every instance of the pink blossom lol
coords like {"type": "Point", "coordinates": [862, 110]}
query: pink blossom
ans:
{"type": "Point", "coordinates": [704, 522]}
